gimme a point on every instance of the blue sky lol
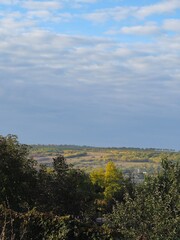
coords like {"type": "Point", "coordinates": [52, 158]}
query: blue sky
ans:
{"type": "Point", "coordinates": [91, 72]}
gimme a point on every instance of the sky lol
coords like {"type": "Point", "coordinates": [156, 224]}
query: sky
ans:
{"type": "Point", "coordinates": [91, 72]}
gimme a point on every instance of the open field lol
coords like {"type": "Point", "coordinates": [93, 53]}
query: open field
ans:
{"type": "Point", "coordinates": [90, 157]}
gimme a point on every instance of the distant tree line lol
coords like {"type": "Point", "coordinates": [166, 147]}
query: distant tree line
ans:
{"type": "Point", "coordinates": [37, 202]}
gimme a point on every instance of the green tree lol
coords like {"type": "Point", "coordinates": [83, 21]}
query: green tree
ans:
{"type": "Point", "coordinates": [17, 174]}
{"type": "Point", "coordinates": [64, 190]}
{"type": "Point", "coordinates": [153, 212]}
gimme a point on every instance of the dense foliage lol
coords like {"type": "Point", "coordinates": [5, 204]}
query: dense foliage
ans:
{"type": "Point", "coordinates": [66, 203]}
{"type": "Point", "coordinates": [153, 210]}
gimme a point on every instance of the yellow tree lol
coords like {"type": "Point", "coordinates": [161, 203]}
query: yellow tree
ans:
{"type": "Point", "coordinates": [109, 180]}
{"type": "Point", "coordinates": [97, 177]}
{"type": "Point", "coordinates": [113, 180]}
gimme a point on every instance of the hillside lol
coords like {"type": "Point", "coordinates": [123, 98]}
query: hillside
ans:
{"type": "Point", "coordinates": [87, 158]}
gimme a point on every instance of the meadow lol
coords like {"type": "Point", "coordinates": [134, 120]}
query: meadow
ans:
{"type": "Point", "coordinates": [88, 158]}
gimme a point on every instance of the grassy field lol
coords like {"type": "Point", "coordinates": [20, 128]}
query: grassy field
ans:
{"type": "Point", "coordinates": [88, 157]}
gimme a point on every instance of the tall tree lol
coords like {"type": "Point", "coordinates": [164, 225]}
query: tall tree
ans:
{"type": "Point", "coordinates": [113, 180]}
{"type": "Point", "coordinates": [17, 173]}
{"type": "Point", "coordinates": [68, 190]}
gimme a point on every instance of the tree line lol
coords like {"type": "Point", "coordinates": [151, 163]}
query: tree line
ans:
{"type": "Point", "coordinates": [37, 202]}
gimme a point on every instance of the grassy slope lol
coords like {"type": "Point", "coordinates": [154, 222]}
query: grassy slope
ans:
{"type": "Point", "coordinates": [89, 157]}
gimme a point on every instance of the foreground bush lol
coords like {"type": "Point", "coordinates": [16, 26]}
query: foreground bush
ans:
{"type": "Point", "coordinates": [153, 213]}
{"type": "Point", "coordinates": [46, 226]}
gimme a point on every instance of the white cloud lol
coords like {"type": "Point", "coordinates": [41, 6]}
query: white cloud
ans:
{"type": "Point", "coordinates": [172, 25]}
{"type": "Point", "coordinates": [149, 28]}
{"type": "Point", "coordinates": [32, 56]}
{"type": "Point", "coordinates": [10, 25]}
{"type": "Point", "coordinates": [41, 5]}
{"type": "Point", "coordinates": [85, 1]}
{"type": "Point", "coordinates": [6, 2]}
{"type": "Point", "coordinates": [165, 6]}
{"type": "Point", "coordinates": [117, 14]}
{"type": "Point", "coordinates": [45, 14]}
{"type": "Point", "coordinates": [43, 58]}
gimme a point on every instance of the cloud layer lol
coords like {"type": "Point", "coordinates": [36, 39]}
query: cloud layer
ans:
{"type": "Point", "coordinates": [90, 72]}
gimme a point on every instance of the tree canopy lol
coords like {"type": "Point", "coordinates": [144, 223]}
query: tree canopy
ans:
{"type": "Point", "coordinates": [62, 202]}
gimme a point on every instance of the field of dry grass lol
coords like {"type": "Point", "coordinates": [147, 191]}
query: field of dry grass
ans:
{"type": "Point", "coordinates": [90, 158]}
